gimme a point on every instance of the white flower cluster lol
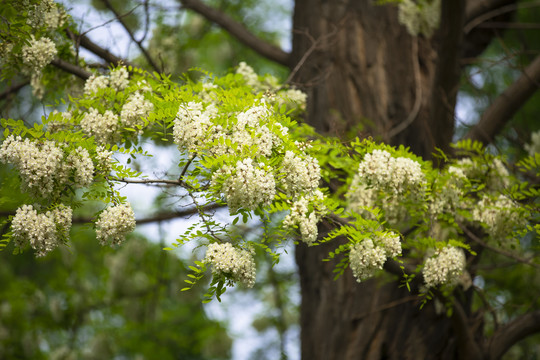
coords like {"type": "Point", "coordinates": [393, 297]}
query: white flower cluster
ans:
{"type": "Point", "coordinates": [306, 221]}
{"type": "Point", "coordinates": [534, 146]}
{"type": "Point", "coordinates": [251, 130]}
{"type": "Point", "coordinates": [231, 262]}
{"type": "Point", "coordinates": [94, 83]}
{"type": "Point", "coordinates": [494, 173]}
{"type": "Point", "coordinates": [369, 256]}
{"type": "Point", "coordinates": [446, 195]}
{"type": "Point", "coordinates": [246, 185]}
{"type": "Point", "coordinates": [445, 267]}
{"type": "Point", "coordinates": [44, 231]}
{"type": "Point", "coordinates": [114, 224]}
{"type": "Point", "coordinates": [39, 166]}
{"type": "Point", "coordinates": [38, 54]}
{"type": "Point", "coordinates": [192, 125]}
{"type": "Point", "coordinates": [135, 110]}
{"type": "Point", "coordinates": [79, 160]}
{"type": "Point", "coordinates": [44, 168]}
{"type": "Point", "coordinates": [249, 75]}
{"type": "Point", "coordinates": [382, 181]}
{"type": "Point", "coordinates": [207, 94]}
{"type": "Point", "coordinates": [295, 96]}
{"type": "Point", "coordinates": [500, 216]}
{"type": "Point", "coordinates": [380, 170]}
{"type": "Point", "coordinates": [117, 80]}
{"type": "Point", "coordinates": [46, 13]}
{"type": "Point", "coordinates": [301, 175]}
{"type": "Point", "coordinates": [195, 130]}
{"type": "Point", "coordinates": [103, 127]}
{"type": "Point", "coordinates": [498, 177]}
{"type": "Point", "coordinates": [104, 160]}
{"type": "Point", "coordinates": [391, 244]}
{"type": "Point", "coordinates": [420, 16]}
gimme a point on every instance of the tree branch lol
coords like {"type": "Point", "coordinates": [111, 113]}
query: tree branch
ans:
{"type": "Point", "coordinates": [13, 89]}
{"type": "Point", "coordinates": [479, 8]}
{"type": "Point", "coordinates": [147, 220]}
{"type": "Point", "coordinates": [237, 30]}
{"type": "Point", "coordinates": [476, 239]}
{"type": "Point", "coordinates": [506, 105]}
{"type": "Point", "coordinates": [514, 331]}
{"type": "Point", "coordinates": [163, 216]}
{"type": "Point", "coordinates": [120, 19]}
{"type": "Point", "coordinates": [447, 73]}
{"type": "Point", "coordinates": [71, 68]}
{"type": "Point", "coordinates": [468, 348]}
{"type": "Point", "coordinates": [149, 181]}
{"type": "Point", "coordinates": [94, 48]}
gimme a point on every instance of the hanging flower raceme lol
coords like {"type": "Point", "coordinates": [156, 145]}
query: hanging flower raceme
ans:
{"type": "Point", "coordinates": [135, 110]}
{"type": "Point", "coordinates": [38, 54]}
{"type": "Point", "coordinates": [444, 267]}
{"type": "Point", "coordinates": [45, 168]}
{"type": "Point", "coordinates": [301, 175]}
{"type": "Point", "coordinates": [246, 185]}
{"type": "Point", "coordinates": [386, 182]}
{"type": "Point", "coordinates": [369, 255]}
{"type": "Point", "coordinates": [192, 126]}
{"type": "Point", "coordinates": [231, 262]}
{"type": "Point", "coordinates": [117, 80]}
{"type": "Point", "coordinates": [114, 224]}
{"type": "Point", "coordinates": [304, 218]}
{"type": "Point", "coordinates": [42, 231]}
{"type": "Point", "coordinates": [104, 127]}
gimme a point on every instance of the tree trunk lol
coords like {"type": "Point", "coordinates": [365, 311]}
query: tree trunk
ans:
{"type": "Point", "coordinates": [365, 75]}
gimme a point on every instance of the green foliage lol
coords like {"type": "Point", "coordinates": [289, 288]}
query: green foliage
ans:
{"type": "Point", "coordinates": [188, 41]}
{"type": "Point", "coordinates": [81, 302]}
{"type": "Point", "coordinates": [205, 171]}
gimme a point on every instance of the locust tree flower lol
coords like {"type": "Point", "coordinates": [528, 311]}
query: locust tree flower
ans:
{"type": "Point", "coordinates": [114, 223]}
{"type": "Point", "coordinates": [444, 267]}
{"type": "Point", "coordinates": [231, 262]}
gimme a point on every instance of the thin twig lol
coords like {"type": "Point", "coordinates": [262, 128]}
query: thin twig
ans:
{"type": "Point", "coordinates": [496, 12]}
{"type": "Point", "coordinates": [301, 62]}
{"type": "Point", "coordinates": [185, 168]}
{"type": "Point", "coordinates": [13, 89]}
{"type": "Point", "coordinates": [149, 181]}
{"type": "Point", "coordinates": [146, 21]}
{"type": "Point", "coordinates": [477, 240]}
{"type": "Point", "coordinates": [314, 45]}
{"type": "Point", "coordinates": [120, 19]}
{"type": "Point", "coordinates": [490, 309]}
{"type": "Point", "coordinates": [85, 42]}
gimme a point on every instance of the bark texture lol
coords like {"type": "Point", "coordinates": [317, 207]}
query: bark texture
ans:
{"type": "Point", "coordinates": [366, 75]}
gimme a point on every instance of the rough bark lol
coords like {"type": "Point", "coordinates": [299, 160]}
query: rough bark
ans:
{"type": "Point", "coordinates": [342, 319]}
{"type": "Point", "coordinates": [367, 75]}
{"type": "Point", "coordinates": [361, 75]}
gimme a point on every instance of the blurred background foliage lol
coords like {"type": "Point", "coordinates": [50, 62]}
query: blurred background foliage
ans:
{"type": "Point", "coordinates": [90, 302]}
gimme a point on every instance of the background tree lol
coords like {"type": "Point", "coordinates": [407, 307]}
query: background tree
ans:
{"type": "Point", "coordinates": [368, 71]}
